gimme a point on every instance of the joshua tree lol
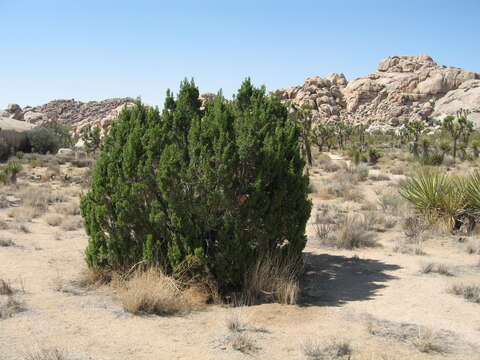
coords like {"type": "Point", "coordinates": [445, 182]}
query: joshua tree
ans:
{"type": "Point", "coordinates": [322, 134]}
{"type": "Point", "coordinates": [415, 129]}
{"type": "Point", "coordinates": [457, 126]}
{"type": "Point", "coordinates": [303, 117]}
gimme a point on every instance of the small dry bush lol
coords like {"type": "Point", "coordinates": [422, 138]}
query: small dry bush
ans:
{"type": "Point", "coordinates": [413, 227]}
{"type": "Point", "coordinates": [72, 223]}
{"type": "Point", "coordinates": [353, 233]}
{"type": "Point", "coordinates": [70, 208]}
{"type": "Point", "coordinates": [335, 349]}
{"type": "Point", "coordinates": [357, 173]}
{"type": "Point", "coordinates": [23, 228]}
{"type": "Point", "coordinates": [271, 279]}
{"type": "Point", "coordinates": [4, 203]}
{"type": "Point", "coordinates": [391, 202]}
{"type": "Point", "coordinates": [6, 242]}
{"type": "Point", "coordinates": [327, 164]}
{"type": "Point", "coordinates": [53, 219]}
{"type": "Point", "coordinates": [412, 248]}
{"type": "Point", "coordinates": [151, 292]}
{"type": "Point", "coordinates": [441, 269]}
{"type": "Point", "coordinates": [423, 339]}
{"type": "Point", "coordinates": [10, 307]}
{"type": "Point", "coordinates": [473, 248]}
{"type": "Point", "coordinates": [379, 177]}
{"type": "Point", "coordinates": [46, 354]}
{"type": "Point", "coordinates": [469, 292]}
{"type": "Point", "coordinates": [6, 288]}
{"type": "Point", "coordinates": [4, 225]}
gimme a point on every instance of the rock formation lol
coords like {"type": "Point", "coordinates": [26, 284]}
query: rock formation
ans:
{"type": "Point", "coordinates": [77, 114]}
{"type": "Point", "coordinates": [403, 88]}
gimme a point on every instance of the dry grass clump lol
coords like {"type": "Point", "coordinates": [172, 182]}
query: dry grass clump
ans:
{"type": "Point", "coordinates": [342, 187]}
{"type": "Point", "coordinates": [441, 269]}
{"type": "Point", "coordinates": [4, 225]}
{"type": "Point", "coordinates": [238, 337]}
{"type": "Point", "coordinates": [46, 354]}
{"type": "Point", "coordinates": [5, 288]}
{"type": "Point", "coordinates": [391, 202]}
{"type": "Point", "coordinates": [53, 219]}
{"type": "Point", "coordinates": [379, 177]}
{"type": "Point", "coordinates": [335, 349]}
{"type": "Point", "coordinates": [10, 307]}
{"type": "Point", "coordinates": [23, 228]}
{"type": "Point", "coordinates": [412, 248]}
{"type": "Point", "coordinates": [70, 208]}
{"type": "Point", "coordinates": [357, 173]}
{"type": "Point", "coordinates": [72, 223]}
{"type": "Point", "coordinates": [473, 248]}
{"type": "Point", "coordinates": [271, 279]}
{"type": "Point", "coordinates": [4, 203]}
{"type": "Point", "coordinates": [326, 163]}
{"type": "Point", "coordinates": [413, 227]}
{"type": "Point", "coordinates": [353, 233]}
{"type": "Point", "coordinates": [423, 339]}
{"type": "Point", "coordinates": [151, 292]}
{"type": "Point", "coordinates": [469, 292]}
{"type": "Point", "coordinates": [6, 242]}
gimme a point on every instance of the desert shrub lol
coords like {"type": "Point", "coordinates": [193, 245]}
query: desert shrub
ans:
{"type": "Point", "coordinates": [221, 187]}
{"type": "Point", "coordinates": [43, 140]}
{"type": "Point", "coordinates": [4, 149]}
{"type": "Point", "coordinates": [151, 292]}
{"type": "Point", "coordinates": [468, 292]}
{"type": "Point", "coordinates": [353, 233]}
{"type": "Point", "coordinates": [334, 349]}
{"type": "Point", "coordinates": [435, 195]}
{"type": "Point", "coordinates": [374, 155]}
{"type": "Point", "coordinates": [357, 173]}
{"type": "Point", "coordinates": [432, 159]}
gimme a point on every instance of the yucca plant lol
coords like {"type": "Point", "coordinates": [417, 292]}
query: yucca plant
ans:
{"type": "Point", "coordinates": [472, 191]}
{"type": "Point", "coordinates": [12, 170]}
{"type": "Point", "coordinates": [435, 195]}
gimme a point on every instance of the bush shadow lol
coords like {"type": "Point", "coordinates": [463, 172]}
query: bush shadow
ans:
{"type": "Point", "coordinates": [333, 280]}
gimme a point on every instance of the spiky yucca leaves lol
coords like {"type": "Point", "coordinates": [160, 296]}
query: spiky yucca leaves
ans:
{"type": "Point", "coordinates": [435, 195]}
{"type": "Point", "coordinates": [472, 191]}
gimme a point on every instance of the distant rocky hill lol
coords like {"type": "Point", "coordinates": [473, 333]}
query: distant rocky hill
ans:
{"type": "Point", "coordinates": [402, 88]}
{"type": "Point", "coordinates": [77, 114]}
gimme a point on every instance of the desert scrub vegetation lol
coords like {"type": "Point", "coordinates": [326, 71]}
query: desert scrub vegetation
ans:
{"type": "Point", "coordinates": [441, 269]}
{"type": "Point", "coordinates": [151, 292]}
{"type": "Point", "coordinates": [46, 354]}
{"type": "Point", "coordinates": [332, 349]}
{"type": "Point", "coordinates": [156, 199]}
{"type": "Point", "coordinates": [468, 292]}
{"type": "Point", "coordinates": [445, 200]}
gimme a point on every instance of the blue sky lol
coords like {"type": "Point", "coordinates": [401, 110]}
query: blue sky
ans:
{"type": "Point", "coordinates": [91, 50]}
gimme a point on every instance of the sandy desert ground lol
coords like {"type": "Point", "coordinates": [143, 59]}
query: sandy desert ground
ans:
{"type": "Point", "coordinates": [376, 299]}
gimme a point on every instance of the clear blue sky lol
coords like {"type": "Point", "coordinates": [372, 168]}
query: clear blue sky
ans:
{"type": "Point", "coordinates": [91, 50]}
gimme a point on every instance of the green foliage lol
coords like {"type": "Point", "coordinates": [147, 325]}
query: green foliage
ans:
{"type": "Point", "coordinates": [373, 155]}
{"type": "Point", "coordinates": [432, 159]}
{"type": "Point", "coordinates": [62, 132]}
{"type": "Point", "coordinates": [457, 126]}
{"type": "Point", "coordinates": [212, 190]}
{"type": "Point", "coordinates": [12, 169]}
{"type": "Point", "coordinates": [43, 140]}
{"type": "Point", "coordinates": [20, 154]}
{"type": "Point", "coordinates": [323, 133]}
{"type": "Point", "coordinates": [91, 138]}
{"type": "Point", "coordinates": [435, 195]}
{"type": "Point", "coordinates": [4, 149]}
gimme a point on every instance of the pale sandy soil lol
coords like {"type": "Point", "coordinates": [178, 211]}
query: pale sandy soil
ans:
{"type": "Point", "coordinates": [341, 291]}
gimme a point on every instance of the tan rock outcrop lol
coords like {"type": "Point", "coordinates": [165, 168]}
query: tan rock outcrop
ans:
{"type": "Point", "coordinates": [403, 88]}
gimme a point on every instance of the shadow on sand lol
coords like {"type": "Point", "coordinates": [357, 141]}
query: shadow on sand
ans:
{"type": "Point", "coordinates": [335, 280]}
